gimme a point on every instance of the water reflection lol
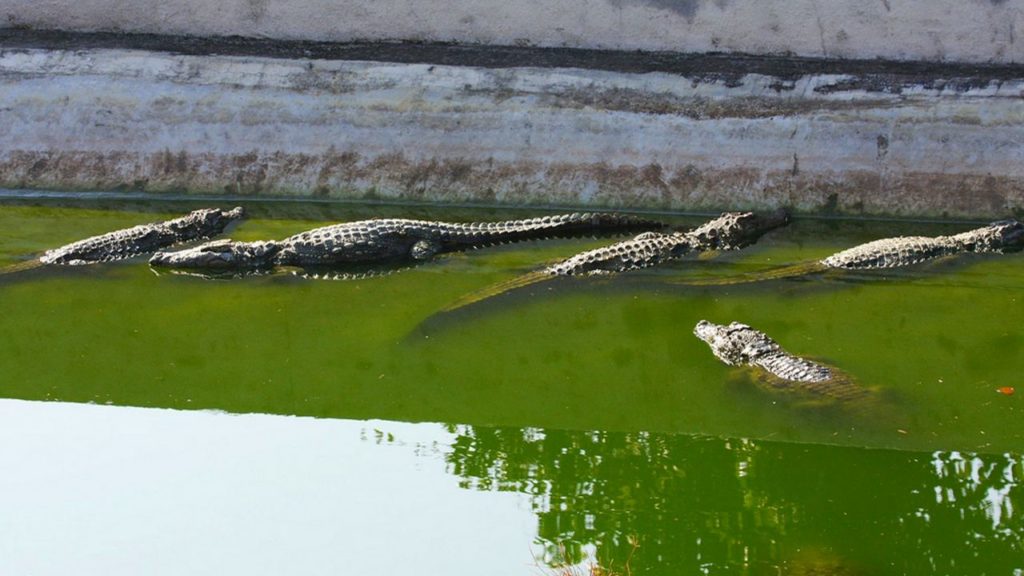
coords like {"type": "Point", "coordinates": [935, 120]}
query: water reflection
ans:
{"type": "Point", "coordinates": [709, 505]}
{"type": "Point", "coordinates": [981, 484]}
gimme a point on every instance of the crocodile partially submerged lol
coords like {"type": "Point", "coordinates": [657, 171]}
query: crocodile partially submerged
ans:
{"type": "Point", "coordinates": [902, 251]}
{"type": "Point", "coordinates": [997, 237]}
{"type": "Point", "coordinates": [730, 231]}
{"type": "Point", "coordinates": [137, 240]}
{"type": "Point", "coordinates": [738, 344]}
{"type": "Point", "coordinates": [384, 241]}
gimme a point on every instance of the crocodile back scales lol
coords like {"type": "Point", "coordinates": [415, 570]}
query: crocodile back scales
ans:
{"type": "Point", "coordinates": [892, 253]}
{"type": "Point", "coordinates": [112, 246]}
{"type": "Point", "coordinates": [384, 239]}
{"type": "Point", "coordinates": [729, 231]}
{"type": "Point", "coordinates": [646, 250]}
{"type": "Point", "coordinates": [141, 239]}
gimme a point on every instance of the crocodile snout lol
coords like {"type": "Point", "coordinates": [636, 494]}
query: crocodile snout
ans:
{"type": "Point", "coordinates": [705, 330]}
{"type": "Point", "coordinates": [1013, 234]}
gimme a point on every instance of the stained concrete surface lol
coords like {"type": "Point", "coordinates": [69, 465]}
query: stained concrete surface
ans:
{"type": "Point", "coordinates": [922, 30]}
{"type": "Point", "coordinates": [900, 143]}
{"type": "Point", "coordinates": [868, 73]}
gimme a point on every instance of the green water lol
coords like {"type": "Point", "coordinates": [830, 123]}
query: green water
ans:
{"type": "Point", "coordinates": [590, 398]}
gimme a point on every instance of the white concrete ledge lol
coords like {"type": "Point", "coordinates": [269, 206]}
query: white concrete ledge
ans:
{"type": "Point", "coordinates": [937, 30]}
{"type": "Point", "coordinates": [125, 119]}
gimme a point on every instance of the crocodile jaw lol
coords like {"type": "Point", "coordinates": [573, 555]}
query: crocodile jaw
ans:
{"type": "Point", "coordinates": [204, 222]}
{"type": "Point", "coordinates": [1001, 236]}
{"type": "Point", "coordinates": [1009, 235]}
{"type": "Point", "coordinates": [757, 225]}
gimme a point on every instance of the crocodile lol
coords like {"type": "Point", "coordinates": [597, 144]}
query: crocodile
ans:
{"type": "Point", "coordinates": [738, 344]}
{"type": "Point", "coordinates": [137, 240]}
{"type": "Point", "coordinates": [888, 253]}
{"type": "Point", "coordinates": [729, 231]}
{"type": "Point", "coordinates": [383, 241]}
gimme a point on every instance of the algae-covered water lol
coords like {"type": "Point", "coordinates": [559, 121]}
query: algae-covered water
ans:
{"type": "Point", "coordinates": [572, 421]}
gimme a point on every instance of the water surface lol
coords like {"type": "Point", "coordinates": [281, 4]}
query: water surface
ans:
{"type": "Point", "coordinates": [591, 400]}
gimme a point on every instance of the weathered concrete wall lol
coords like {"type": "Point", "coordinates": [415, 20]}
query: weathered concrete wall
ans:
{"type": "Point", "coordinates": [124, 119]}
{"type": "Point", "coordinates": [937, 30]}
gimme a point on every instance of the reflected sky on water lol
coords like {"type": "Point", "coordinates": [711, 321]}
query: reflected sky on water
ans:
{"type": "Point", "coordinates": [113, 490]}
{"type": "Point", "coordinates": [587, 423]}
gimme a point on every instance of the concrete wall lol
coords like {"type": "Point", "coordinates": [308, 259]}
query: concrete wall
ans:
{"type": "Point", "coordinates": [126, 119]}
{"type": "Point", "coordinates": [937, 30]}
{"type": "Point", "coordinates": [940, 134]}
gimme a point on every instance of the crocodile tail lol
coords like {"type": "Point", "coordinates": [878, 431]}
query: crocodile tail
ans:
{"type": "Point", "coordinates": [614, 220]}
{"type": "Point", "coordinates": [779, 273]}
{"type": "Point", "coordinates": [579, 222]}
{"type": "Point", "coordinates": [497, 289]}
{"type": "Point", "coordinates": [548, 227]}
{"type": "Point", "coordinates": [21, 267]}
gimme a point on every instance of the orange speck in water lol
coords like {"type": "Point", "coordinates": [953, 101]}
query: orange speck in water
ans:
{"type": "Point", "coordinates": [1007, 390]}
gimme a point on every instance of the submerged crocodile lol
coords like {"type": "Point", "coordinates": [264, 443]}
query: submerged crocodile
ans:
{"type": "Point", "coordinates": [740, 345]}
{"type": "Point", "coordinates": [998, 237]}
{"type": "Point", "coordinates": [730, 231]}
{"type": "Point", "coordinates": [384, 240]}
{"type": "Point", "coordinates": [137, 240]}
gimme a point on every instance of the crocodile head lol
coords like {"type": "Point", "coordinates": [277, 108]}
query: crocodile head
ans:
{"type": "Point", "coordinates": [735, 344]}
{"type": "Point", "coordinates": [717, 337]}
{"type": "Point", "coordinates": [734, 230]}
{"type": "Point", "coordinates": [1001, 236]}
{"type": "Point", "coordinates": [220, 255]}
{"type": "Point", "coordinates": [205, 222]}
